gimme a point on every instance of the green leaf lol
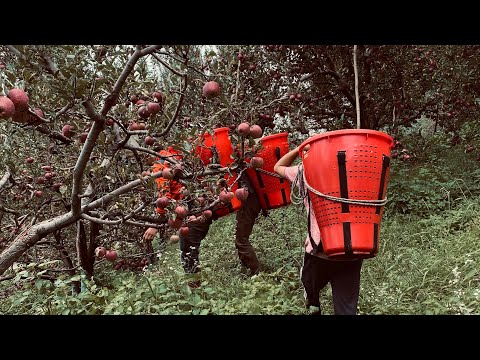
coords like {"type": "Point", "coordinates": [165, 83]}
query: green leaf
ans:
{"type": "Point", "coordinates": [470, 274]}
{"type": "Point", "coordinates": [63, 189]}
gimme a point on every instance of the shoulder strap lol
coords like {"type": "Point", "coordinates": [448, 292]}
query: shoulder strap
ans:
{"type": "Point", "coordinates": [316, 248]}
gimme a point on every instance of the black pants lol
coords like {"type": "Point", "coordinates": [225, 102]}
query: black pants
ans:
{"type": "Point", "coordinates": [343, 276]}
{"type": "Point", "coordinates": [245, 218]}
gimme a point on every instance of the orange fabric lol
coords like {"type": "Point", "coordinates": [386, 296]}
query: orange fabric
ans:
{"type": "Point", "coordinates": [169, 188]}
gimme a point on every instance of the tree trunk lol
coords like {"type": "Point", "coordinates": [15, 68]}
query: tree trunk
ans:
{"type": "Point", "coordinates": [67, 261]}
{"type": "Point", "coordinates": [82, 250]}
{"type": "Point", "coordinates": [30, 236]}
{"type": "Point", "coordinates": [94, 232]}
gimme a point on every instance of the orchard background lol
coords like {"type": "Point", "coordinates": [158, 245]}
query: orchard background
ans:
{"type": "Point", "coordinates": [74, 174]}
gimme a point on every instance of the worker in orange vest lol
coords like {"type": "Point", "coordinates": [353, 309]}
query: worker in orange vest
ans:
{"type": "Point", "coordinates": [190, 244]}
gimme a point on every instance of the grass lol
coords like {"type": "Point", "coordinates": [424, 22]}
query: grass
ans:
{"type": "Point", "coordinates": [425, 266]}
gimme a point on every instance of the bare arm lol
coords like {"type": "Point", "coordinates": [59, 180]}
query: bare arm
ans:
{"type": "Point", "coordinates": [287, 160]}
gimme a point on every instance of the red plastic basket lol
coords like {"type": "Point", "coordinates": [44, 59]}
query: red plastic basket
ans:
{"type": "Point", "coordinates": [221, 143]}
{"type": "Point", "coordinates": [273, 192]}
{"type": "Point", "coordinates": [352, 165]}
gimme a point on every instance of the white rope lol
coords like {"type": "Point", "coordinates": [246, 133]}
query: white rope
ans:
{"type": "Point", "coordinates": [346, 201]}
{"type": "Point", "coordinates": [295, 198]}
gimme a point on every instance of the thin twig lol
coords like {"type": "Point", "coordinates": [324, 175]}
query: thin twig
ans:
{"type": "Point", "coordinates": [176, 72]}
{"type": "Point", "coordinates": [33, 113]}
{"type": "Point", "coordinates": [7, 210]}
{"type": "Point", "coordinates": [64, 109]}
{"type": "Point", "coordinates": [177, 110]}
{"type": "Point", "coordinates": [238, 80]}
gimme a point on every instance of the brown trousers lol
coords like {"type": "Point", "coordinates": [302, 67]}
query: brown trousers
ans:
{"type": "Point", "coordinates": [245, 218]}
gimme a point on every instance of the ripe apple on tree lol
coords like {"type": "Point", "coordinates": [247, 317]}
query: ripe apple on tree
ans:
{"type": "Point", "coordinates": [211, 89]}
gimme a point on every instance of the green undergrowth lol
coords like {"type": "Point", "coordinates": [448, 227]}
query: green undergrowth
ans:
{"type": "Point", "coordinates": [426, 265]}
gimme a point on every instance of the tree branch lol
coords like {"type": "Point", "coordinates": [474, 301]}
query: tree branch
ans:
{"type": "Point", "coordinates": [50, 66]}
{"type": "Point", "coordinates": [15, 51]}
{"type": "Point", "coordinates": [176, 72]}
{"type": "Point", "coordinates": [38, 117]}
{"type": "Point", "coordinates": [64, 109]}
{"type": "Point", "coordinates": [104, 200]}
{"type": "Point", "coordinates": [30, 236]}
{"type": "Point", "coordinates": [120, 221]}
{"type": "Point", "coordinates": [177, 111]}
{"type": "Point", "coordinates": [53, 135]}
{"type": "Point", "coordinates": [78, 171]}
{"type": "Point", "coordinates": [112, 99]}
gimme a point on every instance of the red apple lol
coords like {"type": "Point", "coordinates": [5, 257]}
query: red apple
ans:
{"type": "Point", "coordinates": [19, 99]}
{"type": "Point", "coordinates": [67, 130]}
{"type": "Point", "coordinates": [184, 230]}
{"type": "Point", "coordinates": [207, 214]}
{"type": "Point", "coordinates": [244, 129]}
{"type": "Point", "coordinates": [7, 107]}
{"type": "Point", "coordinates": [140, 102]}
{"type": "Point", "coordinates": [143, 112]}
{"type": "Point", "coordinates": [109, 122]}
{"type": "Point", "coordinates": [241, 194]}
{"type": "Point", "coordinates": [181, 211]}
{"type": "Point", "coordinates": [100, 252]}
{"type": "Point", "coordinates": [57, 186]}
{"type": "Point", "coordinates": [211, 89]}
{"type": "Point", "coordinates": [149, 140]}
{"type": "Point", "coordinates": [133, 126]}
{"type": "Point", "coordinates": [111, 255]}
{"type": "Point", "coordinates": [29, 160]}
{"type": "Point", "coordinates": [256, 162]}
{"type": "Point", "coordinates": [225, 196]}
{"type": "Point", "coordinates": [158, 96]}
{"type": "Point", "coordinates": [162, 202]}
{"type": "Point", "coordinates": [153, 108]}
{"type": "Point", "coordinates": [133, 98]}
{"type": "Point", "coordinates": [38, 193]}
{"type": "Point", "coordinates": [40, 180]}
{"type": "Point", "coordinates": [255, 131]}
